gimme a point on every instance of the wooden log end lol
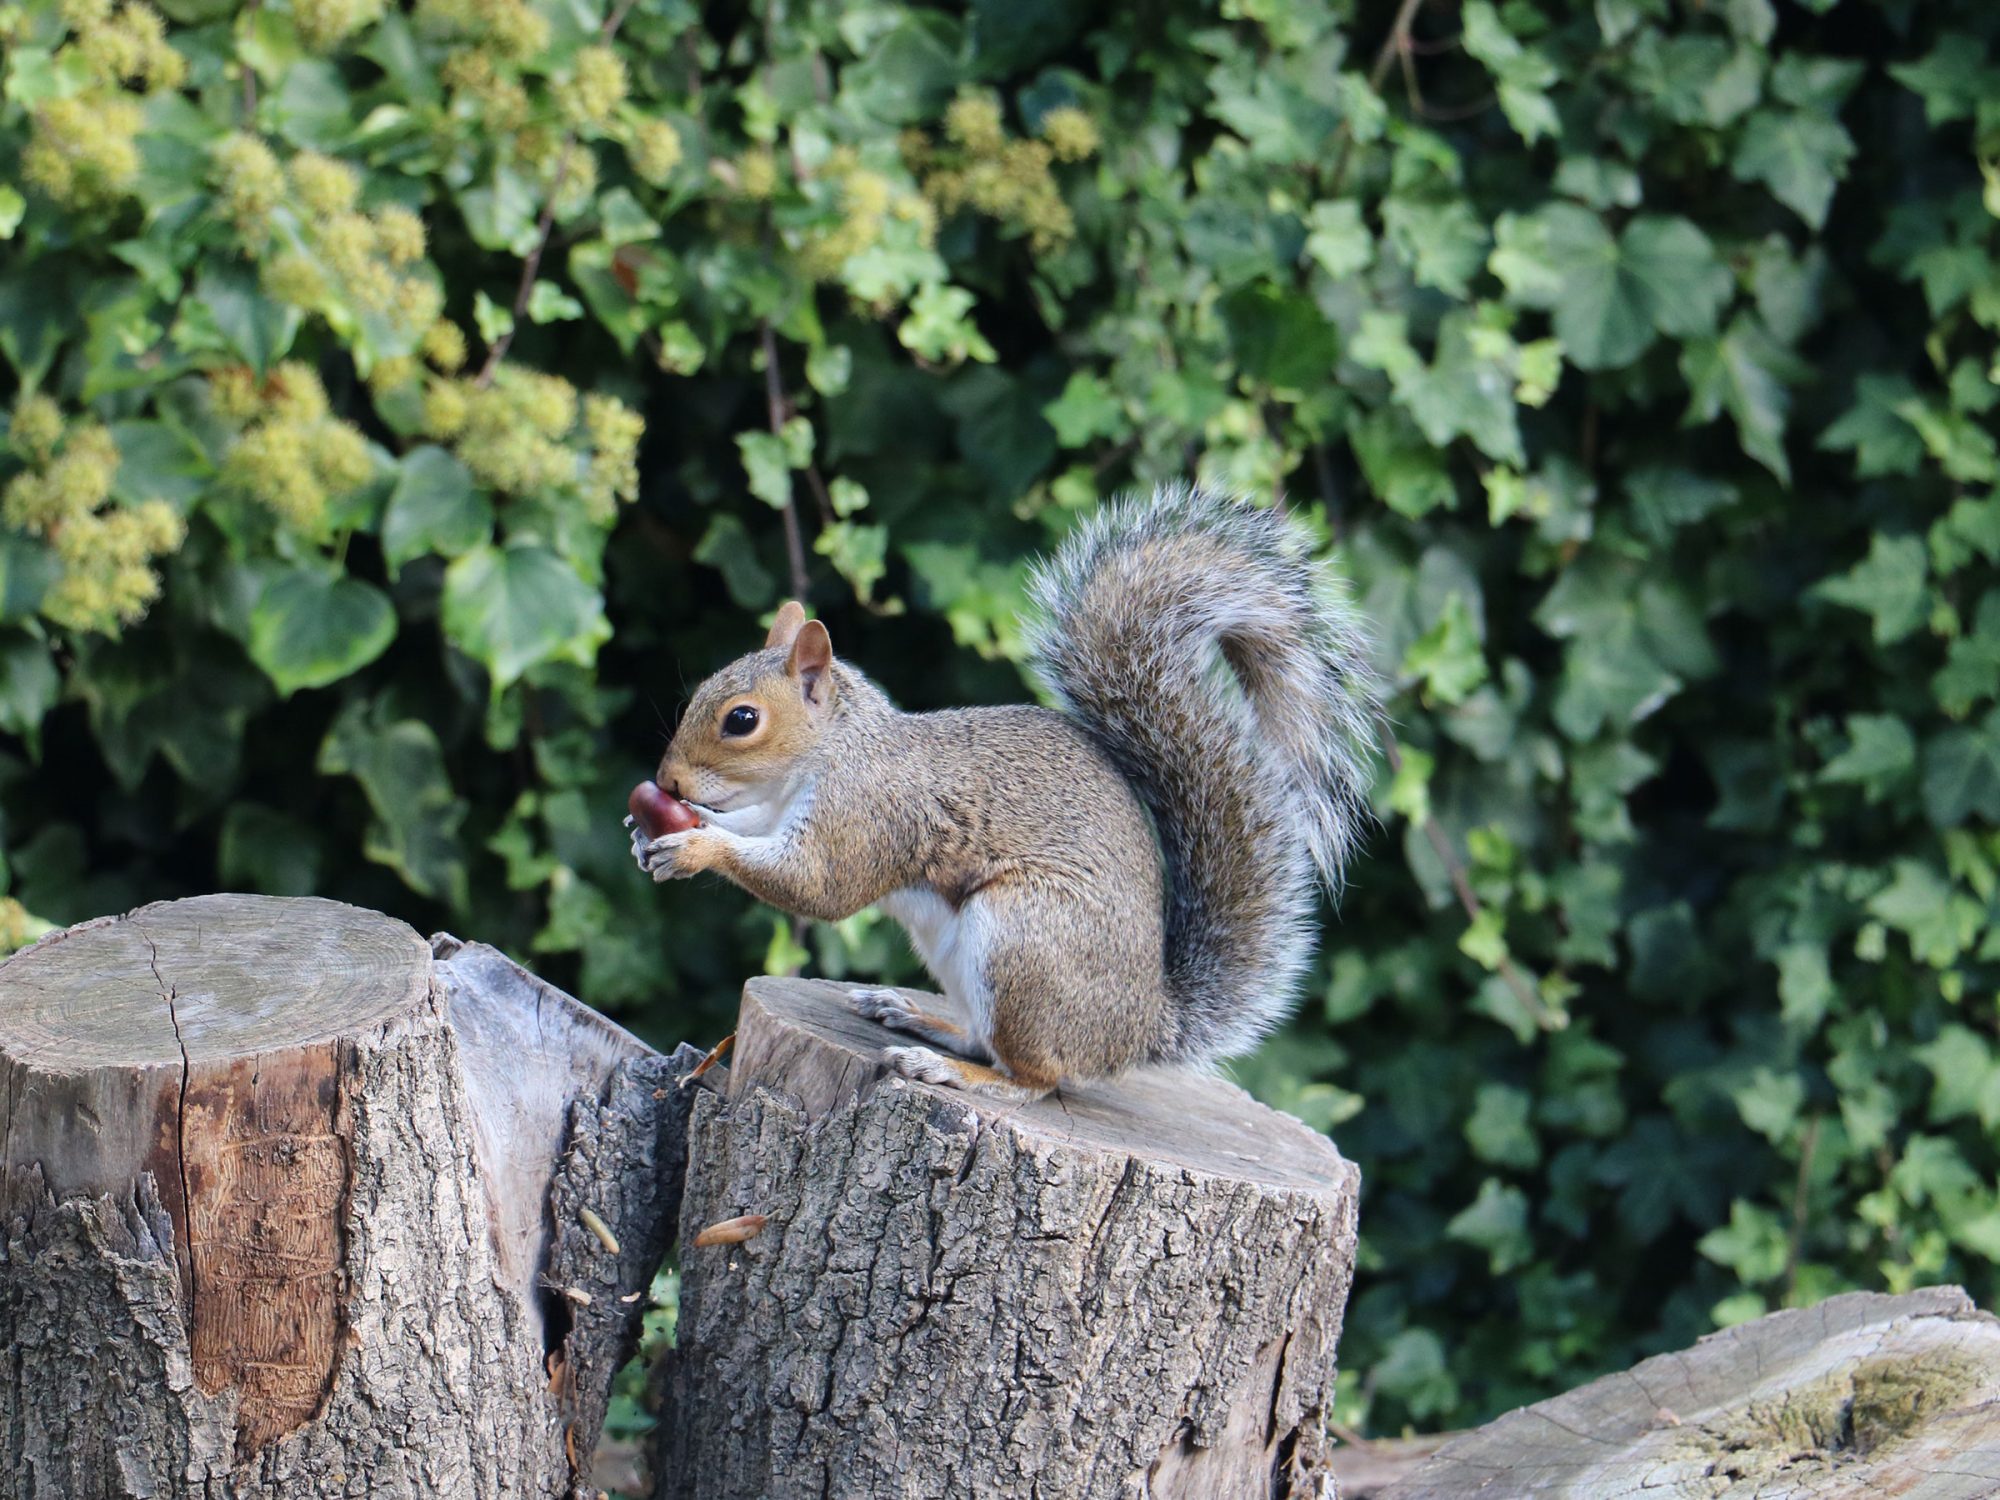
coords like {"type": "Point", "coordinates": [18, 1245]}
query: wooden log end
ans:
{"type": "Point", "coordinates": [276, 1165]}
{"type": "Point", "coordinates": [1862, 1395]}
{"type": "Point", "coordinates": [1131, 1286]}
{"type": "Point", "coordinates": [802, 1038]}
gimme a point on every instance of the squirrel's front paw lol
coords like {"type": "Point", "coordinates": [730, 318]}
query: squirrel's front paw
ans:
{"type": "Point", "coordinates": [673, 856]}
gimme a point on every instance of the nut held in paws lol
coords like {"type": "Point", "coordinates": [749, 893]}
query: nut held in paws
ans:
{"type": "Point", "coordinates": [657, 813]}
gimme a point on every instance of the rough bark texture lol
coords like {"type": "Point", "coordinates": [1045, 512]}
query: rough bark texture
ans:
{"type": "Point", "coordinates": [1861, 1396]}
{"type": "Point", "coordinates": [278, 1194]}
{"type": "Point", "coordinates": [1127, 1289]}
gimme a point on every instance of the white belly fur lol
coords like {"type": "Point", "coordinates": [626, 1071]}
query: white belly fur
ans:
{"type": "Point", "coordinates": [952, 945]}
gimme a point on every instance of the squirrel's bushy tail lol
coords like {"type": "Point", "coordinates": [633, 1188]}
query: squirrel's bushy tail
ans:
{"type": "Point", "coordinates": [1197, 642]}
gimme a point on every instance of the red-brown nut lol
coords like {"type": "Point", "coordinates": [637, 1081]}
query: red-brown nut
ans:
{"type": "Point", "coordinates": [657, 814]}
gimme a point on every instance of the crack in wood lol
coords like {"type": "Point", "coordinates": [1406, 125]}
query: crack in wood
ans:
{"type": "Point", "coordinates": [180, 1122]}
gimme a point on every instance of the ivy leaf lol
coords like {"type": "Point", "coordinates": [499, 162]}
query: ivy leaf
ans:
{"type": "Point", "coordinates": [1522, 74]}
{"type": "Point", "coordinates": [1399, 465]}
{"type": "Point", "coordinates": [1086, 409]}
{"type": "Point", "coordinates": [1752, 1244]}
{"type": "Point", "coordinates": [1744, 372]}
{"type": "Point", "coordinates": [1880, 752]}
{"type": "Point", "coordinates": [769, 468]}
{"type": "Point", "coordinates": [1338, 240]}
{"type": "Point", "coordinates": [1769, 1102]}
{"type": "Point", "coordinates": [1873, 430]}
{"type": "Point", "coordinates": [1952, 78]}
{"type": "Point", "coordinates": [435, 508]}
{"type": "Point", "coordinates": [1443, 243]}
{"type": "Point", "coordinates": [400, 766]}
{"type": "Point", "coordinates": [1609, 679]}
{"type": "Point", "coordinates": [35, 309]}
{"type": "Point", "coordinates": [501, 214]}
{"type": "Point", "coordinates": [1612, 297]}
{"type": "Point", "coordinates": [1279, 336]}
{"type": "Point", "coordinates": [940, 327]}
{"type": "Point", "coordinates": [1805, 986]}
{"type": "Point", "coordinates": [257, 328]}
{"type": "Point", "coordinates": [1922, 904]}
{"type": "Point", "coordinates": [516, 607]}
{"type": "Point", "coordinates": [1962, 774]}
{"type": "Point", "coordinates": [1799, 155]}
{"type": "Point", "coordinates": [1665, 499]}
{"type": "Point", "coordinates": [1965, 1073]}
{"type": "Point", "coordinates": [727, 547]}
{"type": "Point", "coordinates": [1462, 392]}
{"type": "Point", "coordinates": [1498, 1130]}
{"type": "Point", "coordinates": [1446, 659]}
{"type": "Point", "coordinates": [1887, 584]}
{"type": "Point", "coordinates": [1414, 1370]}
{"type": "Point", "coordinates": [1970, 528]}
{"type": "Point", "coordinates": [1813, 82]}
{"type": "Point", "coordinates": [549, 303]}
{"type": "Point", "coordinates": [1972, 666]}
{"type": "Point", "coordinates": [908, 73]}
{"type": "Point", "coordinates": [1496, 1222]}
{"type": "Point", "coordinates": [28, 686]}
{"type": "Point", "coordinates": [310, 628]}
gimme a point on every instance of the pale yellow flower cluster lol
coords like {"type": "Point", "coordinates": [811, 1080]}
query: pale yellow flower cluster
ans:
{"type": "Point", "coordinates": [83, 150]}
{"type": "Point", "coordinates": [293, 455]}
{"type": "Point", "coordinates": [520, 435]}
{"type": "Point", "coordinates": [106, 551]}
{"type": "Point", "coordinates": [978, 166]}
{"type": "Point", "coordinates": [869, 200]}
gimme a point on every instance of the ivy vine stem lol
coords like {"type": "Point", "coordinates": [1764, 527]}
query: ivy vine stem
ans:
{"type": "Point", "coordinates": [1396, 44]}
{"type": "Point", "coordinates": [545, 226]}
{"type": "Point", "coordinates": [774, 398]}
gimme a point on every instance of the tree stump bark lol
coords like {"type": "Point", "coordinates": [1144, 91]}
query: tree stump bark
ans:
{"type": "Point", "coordinates": [1861, 1396]}
{"type": "Point", "coordinates": [290, 1206]}
{"type": "Point", "coordinates": [1129, 1288]}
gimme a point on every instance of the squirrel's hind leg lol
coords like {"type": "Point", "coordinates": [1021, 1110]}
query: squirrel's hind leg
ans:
{"type": "Point", "coordinates": [926, 1066]}
{"type": "Point", "coordinates": [895, 1010]}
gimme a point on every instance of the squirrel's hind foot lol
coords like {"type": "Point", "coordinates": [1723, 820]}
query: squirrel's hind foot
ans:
{"type": "Point", "coordinates": [925, 1066]}
{"type": "Point", "coordinates": [898, 1012]}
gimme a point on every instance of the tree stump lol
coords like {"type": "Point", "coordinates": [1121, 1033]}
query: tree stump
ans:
{"type": "Point", "coordinates": [1130, 1288]}
{"type": "Point", "coordinates": [1861, 1396]}
{"type": "Point", "coordinates": [291, 1207]}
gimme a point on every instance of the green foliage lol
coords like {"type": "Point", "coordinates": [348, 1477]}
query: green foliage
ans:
{"type": "Point", "coordinates": [1637, 360]}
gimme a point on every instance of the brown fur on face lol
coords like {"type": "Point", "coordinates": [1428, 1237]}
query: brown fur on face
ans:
{"type": "Point", "coordinates": [789, 686]}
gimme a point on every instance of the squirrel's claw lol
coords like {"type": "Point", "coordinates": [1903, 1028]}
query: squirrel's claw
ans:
{"type": "Point", "coordinates": [889, 1007]}
{"type": "Point", "coordinates": [665, 857]}
{"type": "Point", "coordinates": [924, 1065]}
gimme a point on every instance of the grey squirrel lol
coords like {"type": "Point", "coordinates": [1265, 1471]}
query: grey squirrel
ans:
{"type": "Point", "coordinates": [1208, 678]}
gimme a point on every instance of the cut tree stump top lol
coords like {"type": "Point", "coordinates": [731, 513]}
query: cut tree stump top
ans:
{"type": "Point", "coordinates": [183, 982]}
{"type": "Point", "coordinates": [1861, 1396]}
{"type": "Point", "coordinates": [1132, 1286]}
{"type": "Point", "coordinates": [801, 1037]}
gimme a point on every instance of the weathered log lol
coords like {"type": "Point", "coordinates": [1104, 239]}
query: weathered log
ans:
{"type": "Point", "coordinates": [1130, 1288]}
{"type": "Point", "coordinates": [291, 1207]}
{"type": "Point", "coordinates": [1366, 1468]}
{"type": "Point", "coordinates": [1861, 1396]}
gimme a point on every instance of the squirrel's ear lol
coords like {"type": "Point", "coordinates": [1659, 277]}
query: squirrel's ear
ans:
{"type": "Point", "coordinates": [785, 629]}
{"type": "Point", "coordinates": [811, 661]}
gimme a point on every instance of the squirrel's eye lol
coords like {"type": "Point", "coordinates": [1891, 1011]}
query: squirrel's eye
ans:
{"type": "Point", "coordinates": [739, 720]}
